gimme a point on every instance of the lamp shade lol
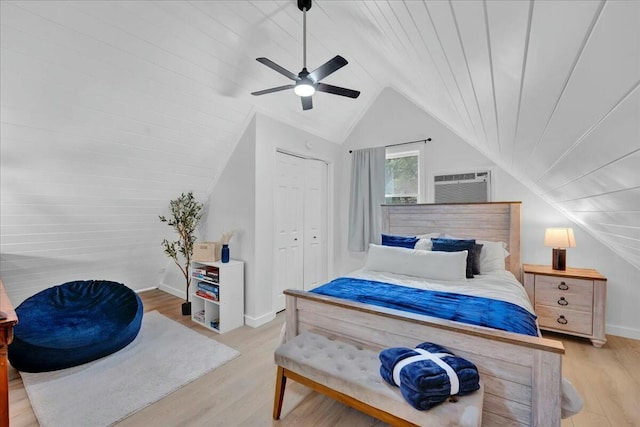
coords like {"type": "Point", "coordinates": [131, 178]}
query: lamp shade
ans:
{"type": "Point", "coordinates": [559, 238]}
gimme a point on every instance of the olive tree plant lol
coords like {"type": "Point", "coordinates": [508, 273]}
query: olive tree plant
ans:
{"type": "Point", "coordinates": [185, 215]}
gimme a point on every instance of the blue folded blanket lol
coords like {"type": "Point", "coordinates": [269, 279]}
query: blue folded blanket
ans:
{"type": "Point", "coordinates": [428, 374]}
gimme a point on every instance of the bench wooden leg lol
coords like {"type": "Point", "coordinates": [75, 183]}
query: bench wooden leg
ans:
{"type": "Point", "coordinates": [281, 383]}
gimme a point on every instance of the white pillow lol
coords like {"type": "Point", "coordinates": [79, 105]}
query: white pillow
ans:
{"type": "Point", "coordinates": [423, 245]}
{"type": "Point", "coordinates": [419, 263]}
{"type": "Point", "coordinates": [424, 241]}
{"type": "Point", "coordinates": [429, 235]}
{"type": "Point", "coordinates": [492, 255]}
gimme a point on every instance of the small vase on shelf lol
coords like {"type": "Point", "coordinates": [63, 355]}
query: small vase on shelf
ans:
{"type": "Point", "coordinates": [224, 255]}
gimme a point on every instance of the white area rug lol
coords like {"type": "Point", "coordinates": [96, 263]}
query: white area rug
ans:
{"type": "Point", "coordinates": [164, 357]}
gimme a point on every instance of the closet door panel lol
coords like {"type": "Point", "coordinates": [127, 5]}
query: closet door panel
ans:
{"type": "Point", "coordinates": [315, 211]}
{"type": "Point", "coordinates": [289, 235]}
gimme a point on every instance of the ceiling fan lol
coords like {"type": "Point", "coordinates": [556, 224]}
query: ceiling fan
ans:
{"type": "Point", "coordinates": [307, 83]}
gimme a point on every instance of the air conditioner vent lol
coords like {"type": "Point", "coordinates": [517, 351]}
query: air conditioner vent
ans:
{"type": "Point", "coordinates": [472, 187]}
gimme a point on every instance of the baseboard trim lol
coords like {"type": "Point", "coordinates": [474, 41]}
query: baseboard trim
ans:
{"type": "Point", "coordinates": [623, 331]}
{"type": "Point", "coordinates": [255, 322]}
{"type": "Point", "coordinates": [171, 290]}
{"type": "Point", "coordinates": [137, 291]}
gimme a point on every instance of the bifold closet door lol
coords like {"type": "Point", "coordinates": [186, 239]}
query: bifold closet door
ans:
{"type": "Point", "coordinates": [315, 224]}
{"type": "Point", "coordinates": [288, 217]}
{"type": "Point", "coordinates": [300, 258]}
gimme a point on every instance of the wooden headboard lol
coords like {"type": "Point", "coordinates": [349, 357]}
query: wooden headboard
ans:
{"type": "Point", "coordinates": [498, 221]}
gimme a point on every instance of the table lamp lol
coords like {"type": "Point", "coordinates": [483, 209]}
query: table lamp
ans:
{"type": "Point", "coordinates": [559, 239]}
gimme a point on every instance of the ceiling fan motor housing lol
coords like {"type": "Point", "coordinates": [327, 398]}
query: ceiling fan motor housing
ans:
{"type": "Point", "coordinates": [304, 4]}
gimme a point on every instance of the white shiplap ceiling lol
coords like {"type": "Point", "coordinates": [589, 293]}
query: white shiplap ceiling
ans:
{"type": "Point", "coordinates": [111, 104]}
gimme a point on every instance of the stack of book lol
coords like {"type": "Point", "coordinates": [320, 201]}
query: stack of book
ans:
{"type": "Point", "coordinates": [199, 316]}
{"type": "Point", "coordinates": [207, 290]}
{"type": "Point", "coordinates": [212, 274]}
{"type": "Point", "coordinates": [207, 273]}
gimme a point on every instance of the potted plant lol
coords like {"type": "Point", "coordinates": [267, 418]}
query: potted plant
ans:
{"type": "Point", "coordinates": [185, 217]}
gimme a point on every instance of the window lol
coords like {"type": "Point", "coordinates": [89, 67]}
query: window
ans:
{"type": "Point", "coordinates": [402, 177]}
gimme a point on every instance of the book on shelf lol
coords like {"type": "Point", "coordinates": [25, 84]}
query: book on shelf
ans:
{"type": "Point", "coordinates": [207, 295]}
{"type": "Point", "coordinates": [208, 287]}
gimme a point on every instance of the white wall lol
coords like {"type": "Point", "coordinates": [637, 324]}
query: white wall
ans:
{"type": "Point", "coordinates": [394, 119]}
{"type": "Point", "coordinates": [227, 209]}
{"type": "Point", "coordinates": [242, 200]}
{"type": "Point", "coordinates": [96, 140]}
{"type": "Point", "coordinates": [231, 206]}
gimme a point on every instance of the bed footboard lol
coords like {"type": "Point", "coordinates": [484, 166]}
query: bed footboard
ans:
{"type": "Point", "coordinates": [521, 374]}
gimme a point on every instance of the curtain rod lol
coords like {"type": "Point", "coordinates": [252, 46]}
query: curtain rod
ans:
{"type": "Point", "coordinates": [403, 143]}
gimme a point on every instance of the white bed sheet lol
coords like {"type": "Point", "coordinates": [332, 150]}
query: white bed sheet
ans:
{"type": "Point", "coordinates": [498, 285]}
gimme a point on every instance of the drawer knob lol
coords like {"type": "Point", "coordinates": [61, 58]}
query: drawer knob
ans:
{"type": "Point", "coordinates": [563, 286]}
{"type": "Point", "coordinates": [562, 320]}
{"type": "Point", "coordinates": [563, 301]}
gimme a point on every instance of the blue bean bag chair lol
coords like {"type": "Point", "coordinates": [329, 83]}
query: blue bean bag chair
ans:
{"type": "Point", "coordinates": [74, 323]}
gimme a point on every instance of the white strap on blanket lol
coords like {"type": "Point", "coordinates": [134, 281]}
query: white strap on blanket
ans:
{"type": "Point", "coordinates": [437, 359]}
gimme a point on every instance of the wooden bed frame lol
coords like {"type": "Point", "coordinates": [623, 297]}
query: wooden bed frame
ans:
{"type": "Point", "coordinates": [521, 374]}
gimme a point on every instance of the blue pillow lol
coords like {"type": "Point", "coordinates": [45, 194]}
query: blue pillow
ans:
{"type": "Point", "coordinates": [456, 245]}
{"type": "Point", "coordinates": [401, 241]}
{"type": "Point", "coordinates": [474, 253]}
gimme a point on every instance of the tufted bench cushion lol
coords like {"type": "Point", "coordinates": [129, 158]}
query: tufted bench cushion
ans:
{"type": "Point", "coordinates": [346, 369]}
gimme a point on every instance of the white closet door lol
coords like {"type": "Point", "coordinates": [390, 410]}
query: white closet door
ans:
{"type": "Point", "coordinates": [315, 224]}
{"type": "Point", "coordinates": [288, 215]}
{"type": "Point", "coordinates": [301, 210]}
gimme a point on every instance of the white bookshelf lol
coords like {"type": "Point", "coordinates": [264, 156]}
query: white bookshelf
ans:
{"type": "Point", "coordinates": [228, 310]}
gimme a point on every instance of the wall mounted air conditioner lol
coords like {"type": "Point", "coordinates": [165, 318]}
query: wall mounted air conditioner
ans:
{"type": "Point", "coordinates": [472, 187]}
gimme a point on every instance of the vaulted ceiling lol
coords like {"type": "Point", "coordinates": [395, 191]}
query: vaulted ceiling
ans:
{"type": "Point", "coordinates": [153, 95]}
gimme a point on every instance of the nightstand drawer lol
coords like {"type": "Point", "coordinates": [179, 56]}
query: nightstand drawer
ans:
{"type": "Point", "coordinates": [564, 319]}
{"type": "Point", "coordinates": [570, 293]}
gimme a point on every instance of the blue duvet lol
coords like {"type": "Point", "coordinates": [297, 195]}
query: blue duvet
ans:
{"type": "Point", "coordinates": [473, 310]}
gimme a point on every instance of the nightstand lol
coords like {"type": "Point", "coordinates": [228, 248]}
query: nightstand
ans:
{"type": "Point", "coordinates": [570, 301]}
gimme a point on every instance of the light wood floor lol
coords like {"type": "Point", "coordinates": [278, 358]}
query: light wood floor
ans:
{"type": "Point", "coordinates": [240, 393]}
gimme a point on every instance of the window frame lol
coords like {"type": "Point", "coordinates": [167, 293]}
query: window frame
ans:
{"type": "Point", "coordinates": [405, 150]}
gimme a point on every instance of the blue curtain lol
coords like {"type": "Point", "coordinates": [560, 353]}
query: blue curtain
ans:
{"type": "Point", "coordinates": [367, 194]}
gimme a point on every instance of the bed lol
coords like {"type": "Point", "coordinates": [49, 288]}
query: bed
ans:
{"type": "Point", "coordinates": [521, 373]}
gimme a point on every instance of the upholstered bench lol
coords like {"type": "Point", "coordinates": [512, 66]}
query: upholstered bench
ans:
{"type": "Point", "coordinates": [349, 373]}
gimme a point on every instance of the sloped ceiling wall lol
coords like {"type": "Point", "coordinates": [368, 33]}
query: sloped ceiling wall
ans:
{"type": "Point", "coordinates": [110, 109]}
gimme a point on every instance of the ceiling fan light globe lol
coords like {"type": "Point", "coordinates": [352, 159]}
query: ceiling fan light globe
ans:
{"type": "Point", "coordinates": [304, 89]}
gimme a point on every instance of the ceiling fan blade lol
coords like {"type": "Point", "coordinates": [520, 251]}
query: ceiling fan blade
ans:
{"type": "Point", "coordinates": [336, 90]}
{"type": "Point", "coordinates": [327, 68]}
{"type": "Point", "coordinates": [273, 89]}
{"type": "Point", "coordinates": [307, 103]}
{"type": "Point", "coordinates": [269, 63]}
